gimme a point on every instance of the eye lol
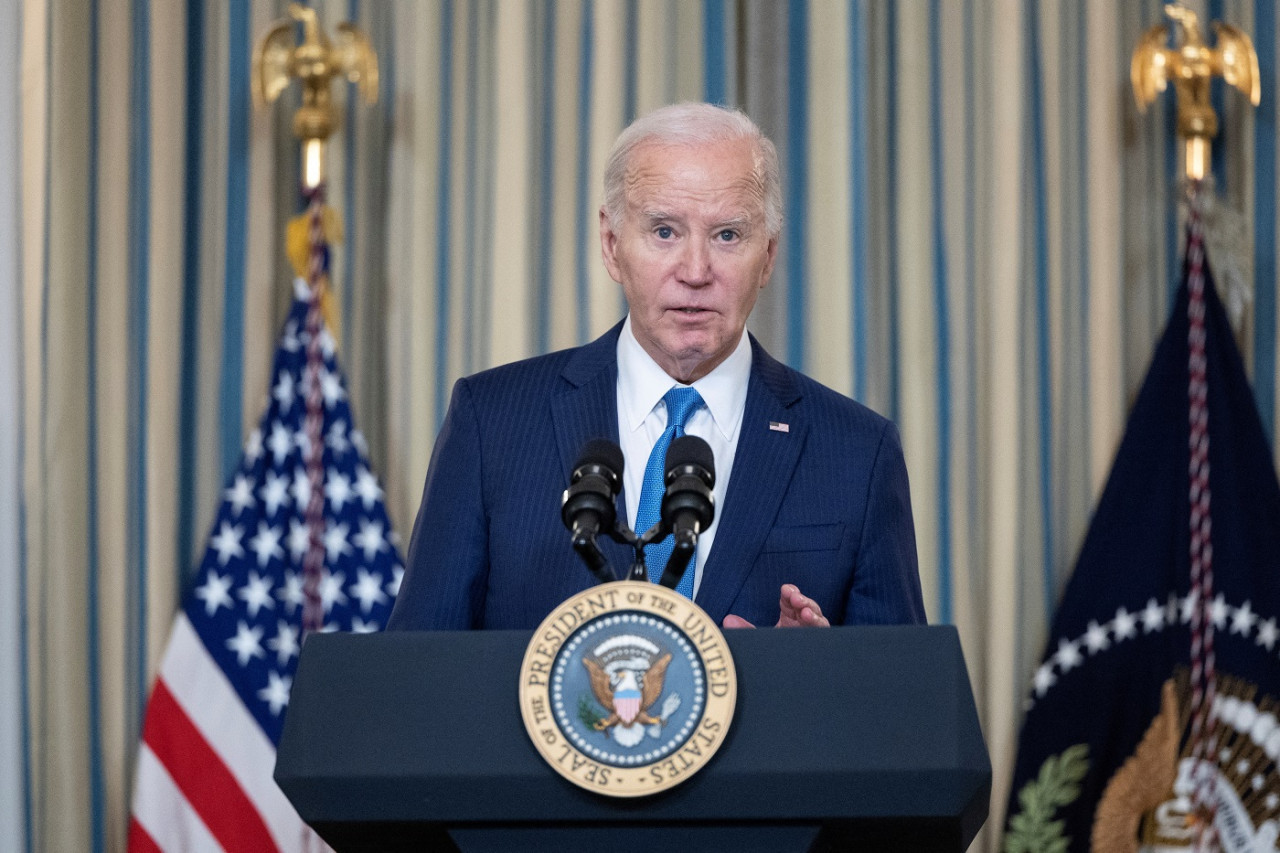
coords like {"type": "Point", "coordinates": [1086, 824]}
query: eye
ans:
{"type": "Point", "coordinates": [728, 235]}
{"type": "Point", "coordinates": [664, 232]}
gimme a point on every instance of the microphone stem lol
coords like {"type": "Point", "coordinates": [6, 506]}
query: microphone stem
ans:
{"type": "Point", "coordinates": [686, 542]}
{"type": "Point", "coordinates": [589, 550]}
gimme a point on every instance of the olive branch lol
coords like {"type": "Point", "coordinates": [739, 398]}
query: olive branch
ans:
{"type": "Point", "coordinates": [1033, 829]}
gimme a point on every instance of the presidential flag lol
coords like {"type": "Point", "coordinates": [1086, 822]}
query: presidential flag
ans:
{"type": "Point", "coordinates": [204, 778]}
{"type": "Point", "coordinates": [1152, 720]}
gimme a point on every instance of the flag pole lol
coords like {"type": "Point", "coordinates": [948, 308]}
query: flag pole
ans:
{"type": "Point", "coordinates": [1191, 64]}
{"type": "Point", "coordinates": [315, 62]}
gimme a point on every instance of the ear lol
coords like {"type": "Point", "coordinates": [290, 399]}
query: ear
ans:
{"type": "Point", "coordinates": [609, 246]}
{"type": "Point", "coordinates": [770, 256]}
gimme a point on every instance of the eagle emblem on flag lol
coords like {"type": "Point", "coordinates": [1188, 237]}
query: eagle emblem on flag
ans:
{"type": "Point", "coordinates": [627, 676]}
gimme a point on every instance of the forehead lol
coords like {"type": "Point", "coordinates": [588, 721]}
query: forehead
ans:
{"type": "Point", "coordinates": [715, 177]}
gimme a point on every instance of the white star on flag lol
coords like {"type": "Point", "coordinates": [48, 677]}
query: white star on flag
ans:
{"type": "Point", "coordinates": [276, 693]}
{"type": "Point", "coordinates": [368, 590]}
{"type": "Point", "coordinates": [1152, 617]}
{"type": "Point", "coordinates": [1244, 619]}
{"type": "Point", "coordinates": [331, 590]}
{"type": "Point", "coordinates": [301, 488]}
{"type": "Point", "coordinates": [1267, 634]}
{"type": "Point", "coordinates": [370, 539]}
{"type": "Point", "coordinates": [336, 439]}
{"type": "Point", "coordinates": [284, 392]}
{"type": "Point", "coordinates": [1045, 678]}
{"type": "Point", "coordinates": [247, 643]}
{"type": "Point", "coordinates": [290, 592]}
{"type": "Point", "coordinates": [256, 593]}
{"type": "Point", "coordinates": [280, 443]}
{"type": "Point", "coordinates": [253, 447]}
{"type": "Point", "coordinates": [337, 489]}
{"type": "Point", "coordinates": [275, 492]}
{"type": "Point", "coordinates": [284, 643]}
{"type": "Point", "coordinates": [240, 495]}
{"type": "Point", "coordinates": [331, 388]}
{"type": "Point", "coordinates": [1218, 611]}
{"type": "Point", "coordinates": [1068, 655]}
{"type": "Point", "coordinates": [266, 544]}
{"type": "Point", "coordinates": [227, 543]}
{"type": "Point", "coordinates": [1125, 625]}
{"type": "Point", "coordinates": [367, 487]}
{"type": "Point", "coordinates": [335, 542]}
{"type": "Point", "coordinates": [299, 539]}
{"type": "Point", "coordinates": [215, 593]}
{"type": "Point", "coordinates": [1095, 637]}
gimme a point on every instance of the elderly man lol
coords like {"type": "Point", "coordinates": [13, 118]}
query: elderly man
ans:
{"type": "Point", "coordinates": [813, 522]}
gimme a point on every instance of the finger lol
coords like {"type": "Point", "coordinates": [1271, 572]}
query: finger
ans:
{"type": "Point", "coordinates": [814, 618]}
{"type": "Point", "coordinates": [732, 621]}
{"type": "Point", "coordinates": [796, 601]}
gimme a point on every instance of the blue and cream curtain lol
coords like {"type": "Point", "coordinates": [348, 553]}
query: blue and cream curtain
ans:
{"type": "Point", "coordinates": [980, 242]}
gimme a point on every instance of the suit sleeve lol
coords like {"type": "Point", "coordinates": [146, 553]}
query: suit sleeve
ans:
{"type": "Point", "coordinates": [448, 565]}
{"type": "Point", "coordinates": [886, 577]}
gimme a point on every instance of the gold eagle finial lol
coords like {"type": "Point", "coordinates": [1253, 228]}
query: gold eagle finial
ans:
{"type": "Point", "coordinates": [1191, 65]}
{"type": "Point", "coordinates": [314, 62]}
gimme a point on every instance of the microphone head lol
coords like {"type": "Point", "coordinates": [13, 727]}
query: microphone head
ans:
{"type": "Point", "coordinates": [602, 451]}
{"type": "Point", "coordinates": [593, 485]}
{"type": "Point", "coordinates": [689, 451]}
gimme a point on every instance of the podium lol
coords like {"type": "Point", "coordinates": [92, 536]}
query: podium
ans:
{"type": "Point", "coordinates": [848, 738]}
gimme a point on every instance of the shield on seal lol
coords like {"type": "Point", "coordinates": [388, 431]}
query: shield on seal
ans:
{"type": "Point", "coordinates": [627, 704]}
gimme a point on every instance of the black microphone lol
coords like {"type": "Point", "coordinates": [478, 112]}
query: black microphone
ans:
{"type": "Point", "coordinates": [688, 506]}
{"type": "Point", "coordinates": [588, 505]}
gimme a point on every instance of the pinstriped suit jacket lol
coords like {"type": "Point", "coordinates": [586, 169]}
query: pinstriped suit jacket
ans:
{"type": "Point", "coordinates": [824, 505]}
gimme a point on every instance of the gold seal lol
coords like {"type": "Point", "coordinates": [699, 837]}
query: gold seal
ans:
{"type": "Point", "coordinates": [627, 689]}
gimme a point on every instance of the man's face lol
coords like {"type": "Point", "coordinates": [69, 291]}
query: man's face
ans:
{"type": "Point", "coordinates": [691, 251]}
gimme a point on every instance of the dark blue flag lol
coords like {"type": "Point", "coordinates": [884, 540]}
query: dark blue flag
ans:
{"type": "Point", "coordinates": [1108, 759]}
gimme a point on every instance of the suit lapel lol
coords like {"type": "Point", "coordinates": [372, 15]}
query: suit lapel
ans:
{"type": "Point", "coordinates": [585, 408]}
{"type": "Point", "coordinates": [763, 463]}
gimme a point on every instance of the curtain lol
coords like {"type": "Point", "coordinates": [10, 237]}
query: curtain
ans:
{"type": "Point", "coordinates": [981, 242]}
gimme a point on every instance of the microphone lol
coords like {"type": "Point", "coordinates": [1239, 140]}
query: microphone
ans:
{"type": "Point", "coordinates": [588, 504]}
{"type": "Point", "coordinates": [688, 506]}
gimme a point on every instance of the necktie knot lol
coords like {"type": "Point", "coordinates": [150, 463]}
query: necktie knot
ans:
{"type": "Point", "coordinates": [681, 403]}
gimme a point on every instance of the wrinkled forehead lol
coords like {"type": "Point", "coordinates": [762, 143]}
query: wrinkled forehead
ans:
{"type": "Point", "coordinates": [727, 175]}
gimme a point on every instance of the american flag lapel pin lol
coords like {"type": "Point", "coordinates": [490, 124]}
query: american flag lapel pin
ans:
{"type": "Point", "coordinates": [779, 427]}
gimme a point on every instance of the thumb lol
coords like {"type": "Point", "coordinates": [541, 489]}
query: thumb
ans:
{"type": "Point", "coordinates": [732, 621]}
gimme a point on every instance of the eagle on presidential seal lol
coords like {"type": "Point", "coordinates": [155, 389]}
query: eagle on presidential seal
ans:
{"type": "Point", "coordinates": [627, 675]}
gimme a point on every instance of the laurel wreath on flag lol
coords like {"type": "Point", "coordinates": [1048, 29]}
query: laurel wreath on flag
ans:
{"type": "Point", "coordinates": [1033, 830]}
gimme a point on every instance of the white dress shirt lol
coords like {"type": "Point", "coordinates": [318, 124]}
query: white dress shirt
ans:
{"type": "Point", "coordinates": [642, 417]}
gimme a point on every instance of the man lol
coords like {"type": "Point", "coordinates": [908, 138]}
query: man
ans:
{"type": "Point", "coordinates": [813, 516]}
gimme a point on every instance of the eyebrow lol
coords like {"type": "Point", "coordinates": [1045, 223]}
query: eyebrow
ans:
{"type": "Point", "coordinates": [654, 215]}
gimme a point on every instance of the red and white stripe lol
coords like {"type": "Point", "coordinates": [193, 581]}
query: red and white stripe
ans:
{"type": "Point", "coordinates": [204, 780]}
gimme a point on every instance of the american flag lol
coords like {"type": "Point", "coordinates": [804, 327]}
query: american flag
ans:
{"type": "Point", "coordinates": [204, 778]}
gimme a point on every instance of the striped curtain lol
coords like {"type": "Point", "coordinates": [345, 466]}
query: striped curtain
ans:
{"type": "Point", "coordinates": [981, 242]}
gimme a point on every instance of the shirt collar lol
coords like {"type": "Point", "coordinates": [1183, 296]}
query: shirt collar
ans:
{"type": "Point", "coordinates": [642, 384]}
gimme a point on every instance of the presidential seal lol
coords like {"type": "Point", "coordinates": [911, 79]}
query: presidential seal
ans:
{"type": "Point", "coordinates": [627, 689]}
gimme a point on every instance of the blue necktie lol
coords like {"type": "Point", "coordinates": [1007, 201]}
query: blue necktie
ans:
{"type": "Point", "coordinates": [681, 403]}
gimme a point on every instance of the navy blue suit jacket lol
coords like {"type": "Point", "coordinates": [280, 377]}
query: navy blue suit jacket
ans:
{"type": "Point", "coordinates": [823, 505]}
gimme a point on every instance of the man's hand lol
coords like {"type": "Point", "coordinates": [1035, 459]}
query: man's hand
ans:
{"type": "Point", "coordinates": [797, 610]}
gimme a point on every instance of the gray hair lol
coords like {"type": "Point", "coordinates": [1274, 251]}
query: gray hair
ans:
{"type": "Point", "coordinates": [693, 124]}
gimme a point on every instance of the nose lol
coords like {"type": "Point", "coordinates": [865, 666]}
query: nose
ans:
{"type": "Point", "coordinates": [695, 264]}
